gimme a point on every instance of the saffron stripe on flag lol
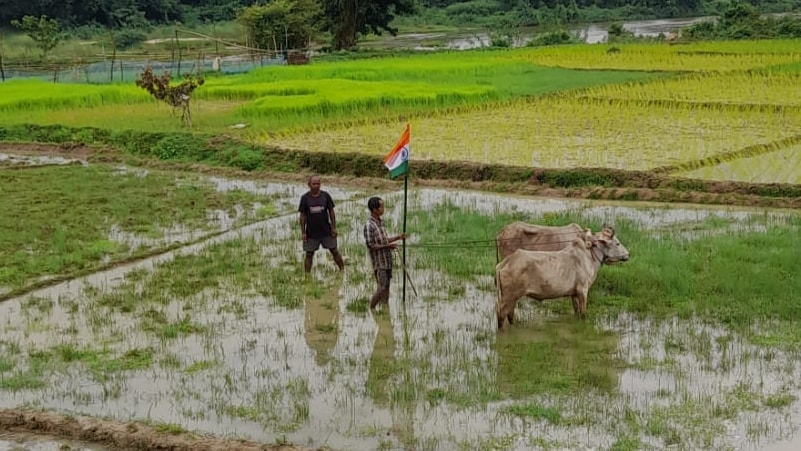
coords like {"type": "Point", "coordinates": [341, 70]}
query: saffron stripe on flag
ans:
{"type": "Point", "coordinates": [397, 160]}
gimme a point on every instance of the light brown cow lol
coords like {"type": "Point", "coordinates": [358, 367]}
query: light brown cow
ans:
{"type": "Point", "coordinates": [551, 275]}
{"type": "Point", "coordinates": [532, 237]}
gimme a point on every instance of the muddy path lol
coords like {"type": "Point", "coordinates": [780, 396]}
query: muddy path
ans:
{"type": "Point", "coordinates": [117, 435]}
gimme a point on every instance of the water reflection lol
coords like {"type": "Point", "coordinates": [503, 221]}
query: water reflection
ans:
{"type": "Point", "coordinates": [556, 355]}
{"type": "Point", "coordinates": [321, 321]}
{"type": "Point", "coordinates": [383, 365]}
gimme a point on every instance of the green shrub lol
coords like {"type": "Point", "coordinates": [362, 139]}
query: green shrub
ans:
{"type": "Point", "coordinates": [246, 158]}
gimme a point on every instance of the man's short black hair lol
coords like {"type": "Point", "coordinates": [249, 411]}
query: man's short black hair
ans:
{"type": "Point", "coordinates": [374, 203]}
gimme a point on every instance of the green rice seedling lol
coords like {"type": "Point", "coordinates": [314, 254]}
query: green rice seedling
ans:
{"type": "Point", "coordinates": [19, 95]}
{"type": "Point", "coordinates": [660, 57]}
{"type": "Point", "coordinates": [21, 381]}
{"type": "Point", "coordinates": [6, 364]}
{"type": "Point", "coordinates": [282, 99]}
{"type": "Point", "coordinates": [182, 327]}
{"type": "Point", "coordinates": [781, 166]}
{"type": "Point", "coordinates": [752, 90]}
{"type": "Point", "coordinates": [549, 414]}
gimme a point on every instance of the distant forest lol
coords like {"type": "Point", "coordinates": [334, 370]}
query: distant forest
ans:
{"type": "Point", "coordinates": [143, 13]}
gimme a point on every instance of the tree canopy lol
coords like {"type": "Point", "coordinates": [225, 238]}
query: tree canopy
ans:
{"type": "Point", "coordinates": [271, 21]}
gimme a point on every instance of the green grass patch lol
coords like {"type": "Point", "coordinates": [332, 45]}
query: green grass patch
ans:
{"type": "Point", "coordinates": [102, 363]}
{"type": "Point", "coordinates": [202, 365]}
{"type": "Point", "coordinates": [549, 414]}
{"type": "Point", "coordinates": [6, 364]}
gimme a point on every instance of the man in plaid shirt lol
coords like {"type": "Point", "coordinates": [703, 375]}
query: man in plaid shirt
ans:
{"type": "Point", "coordinates": [380, 247]}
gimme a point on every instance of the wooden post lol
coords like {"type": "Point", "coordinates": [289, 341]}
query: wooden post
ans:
{"type": "Point", "coordinates": [113, 55]}
{"type": "Point", "coordinates": [122, 74]}
{"type": "Point", "coordinates": [216, 40]}
{"type": "Point", "coordinates": [178, 44]}
{"type": "Point", "coordinates": [2, 71]}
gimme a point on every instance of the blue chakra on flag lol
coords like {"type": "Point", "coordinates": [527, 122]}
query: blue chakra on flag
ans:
{"type": "Point", "coordinates": [404, 153]}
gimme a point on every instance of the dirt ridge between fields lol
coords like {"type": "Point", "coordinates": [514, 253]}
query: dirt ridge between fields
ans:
{"type": "Point", "coordinates": [123, 436]}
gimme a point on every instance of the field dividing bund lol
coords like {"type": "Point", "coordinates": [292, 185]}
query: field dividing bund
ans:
{"type": "Point", "coordinates": [207, 338]}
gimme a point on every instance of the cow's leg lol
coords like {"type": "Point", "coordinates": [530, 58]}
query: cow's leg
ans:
{"type": "Point", "coordinates": [582, 302]}
{"type": "Point", "coordinates": [501, 315]}
{"type": "Point", "coordinates": [511, 317]}
{"type": "Point", "coordinates": [506, 311]}
{"type": "Point", "coordinates": [575, 305]}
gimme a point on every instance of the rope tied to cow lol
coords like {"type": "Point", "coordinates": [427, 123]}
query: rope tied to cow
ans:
{"type": "Point", "coordinates": [484, 243]}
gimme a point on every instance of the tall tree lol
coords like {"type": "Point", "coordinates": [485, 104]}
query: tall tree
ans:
{"type": "Point", "coordinates": [348, 19]}
{"type": "Point", "coordinates": [46, 32]}
{"type": "Point", "coordinates": [281, 24]}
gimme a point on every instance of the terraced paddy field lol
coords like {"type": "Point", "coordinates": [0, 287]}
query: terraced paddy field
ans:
{"type": "Point", "coordinates": [629, 106]}
{"type": "Point", "coordinates": [693, 343]}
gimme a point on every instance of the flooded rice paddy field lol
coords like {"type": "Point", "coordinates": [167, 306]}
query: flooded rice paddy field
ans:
{"type": "Point", "coordinates": [225, 336]}
{"type": "Point", "coordinates": [82, 217]}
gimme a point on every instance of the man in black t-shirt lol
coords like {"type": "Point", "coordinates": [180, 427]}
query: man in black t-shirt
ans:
{"type": "Point", "coordinates": [318, 224]}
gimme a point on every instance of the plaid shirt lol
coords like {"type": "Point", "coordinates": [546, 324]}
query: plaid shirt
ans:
{"type": "Point", "coordinates": [374, 233]}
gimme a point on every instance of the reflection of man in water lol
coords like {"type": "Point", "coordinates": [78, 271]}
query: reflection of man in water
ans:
{"type": "Point", "coordinates": [321, 323]}
{"type": "Point", "coordinates": [382, 360]}
{"type": "Point", "coordinates": [385, 368]}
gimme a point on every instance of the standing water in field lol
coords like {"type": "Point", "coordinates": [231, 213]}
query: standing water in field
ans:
{"type": "Point", "coordinates": [226, 337]}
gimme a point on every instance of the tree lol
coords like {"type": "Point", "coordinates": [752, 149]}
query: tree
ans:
{"type": "Point", "coordinates": [347, 19]}
{"type": "Point", "coordinates": [174, 95]}
{"type": "Point", "coordinates": [282, 24]}
{"type": "Point", "coordinates": [44, 31]}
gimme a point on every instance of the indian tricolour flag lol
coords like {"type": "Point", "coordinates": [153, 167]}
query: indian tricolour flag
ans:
{"type": "Point", "coordinates": [397, 160]}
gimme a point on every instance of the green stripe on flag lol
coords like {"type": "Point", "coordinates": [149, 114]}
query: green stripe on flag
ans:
{"type": "Point", "coordinates": [400, 170]}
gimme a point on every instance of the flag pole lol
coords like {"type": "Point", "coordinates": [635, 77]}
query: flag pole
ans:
{"type": "Point", "coordinates": [405, 192]}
